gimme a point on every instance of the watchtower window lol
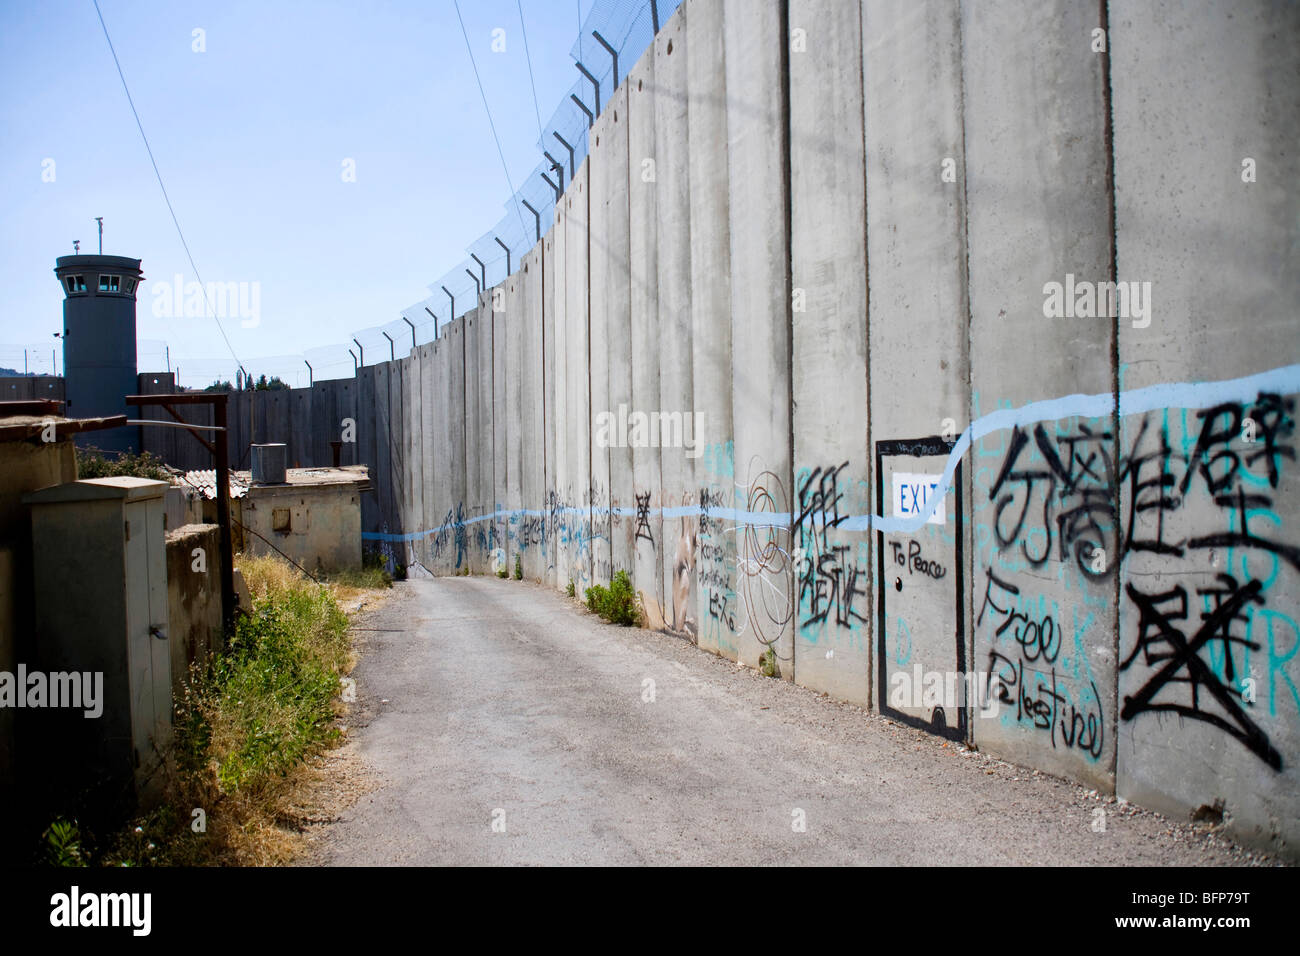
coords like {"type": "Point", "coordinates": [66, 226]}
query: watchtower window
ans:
{"type": "Point", "coordinates": [76, 283]}
{"type": "Point", "coordinates": [109, 283]}
{"type": "Point", "coordinates": [128, 285]}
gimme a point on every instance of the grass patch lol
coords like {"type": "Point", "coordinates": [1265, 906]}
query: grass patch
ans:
{"type": "Point", "coordinates": [616, 603]}
{"type": "Point", "coordinates": [243, 732]}
{"type": "Point", "coordinates": [519, 569]}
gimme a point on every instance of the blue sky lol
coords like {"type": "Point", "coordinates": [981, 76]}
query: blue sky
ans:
{"type": "Point", "coordinates": [250, 137]}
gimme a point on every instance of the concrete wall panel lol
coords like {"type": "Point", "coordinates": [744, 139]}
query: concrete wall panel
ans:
{"type": "Point", "coordinates": [676, 402]}
{"type": "Point", "coordinates": [828, 256]}
{"type": "Point", "coordinates": [643, 252]}
{"type": "Point", "coordinates": [1043, 524]}
{"type": "Point", "coordinates": [710, 301]}
{"type": "Point", "coordinates": [757, 166]}
{"type": "Point", "coordinates": [577, 379]}
{"type": "Point", "coordinates": [1199, 89]}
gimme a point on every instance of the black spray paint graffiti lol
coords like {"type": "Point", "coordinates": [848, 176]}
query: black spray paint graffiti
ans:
{"type": "Point", "coordinates": [1183, 676]}
{"type": "Point", "coordinates": [832, 583]}
{"type": "Point", "coordinates": [1077, 478]}
{"type": "Point", "coordinates": [1073, 490]}
{"type": "Point", "coordinates": [763, 568]}
{"type": "Point", "coordinates": [829, 580]}
{"type": "Point", "coordinates": [452, 529]}
{"type": "Point", "coordinates": [914, 562]}
{"type": "Point", "coordinates": [819, 504]}
{"type": "Point", "coordinates": [643, 518]}
{"type": "Point", "coordinates": [1047, 704]}
{"type": "Point", "coordinates": [1235, 465]}
{"type": "Point", "coordinates": [711, 569]}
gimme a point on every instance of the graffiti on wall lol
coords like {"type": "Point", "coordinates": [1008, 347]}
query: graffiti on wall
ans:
{"type": "Point", "coordinates": [1191, 487]}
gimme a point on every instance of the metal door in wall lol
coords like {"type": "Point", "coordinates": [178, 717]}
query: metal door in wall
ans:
{"type": "Point", "coordinates": [921, 657]}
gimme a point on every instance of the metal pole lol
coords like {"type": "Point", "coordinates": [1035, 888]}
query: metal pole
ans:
{"type": "Point", "coordinates": [311, 375]}
{"type": "Point", "coordinates": [354, 362]}
{"type": "Point", "coordinates": [594, 82]}
{"type": "Point", "coordinates": [453, 309]}
{"type": "Point", "coordinates": [550, 182]}
{"type": "Point", "coordinates": [555, 165]}
{"type": "Point", "coordinates": [654, 15]}
{"type": "Point", "coordinates": [360, 349]}
{"type": "Point", "coordinates": [507, 249]}
{"type": "Point", "coordinates": [228, 597]}
{"type": "Point", "coordinates": [612, 52]}
{"type": "Point", "coordinates": [478, 289]}
{"type": "Point", "coordinates": [591, 119]}
{"type": "Point", "coordinates": [481, 267]}
{"type": "Point", "coordinates": [412, 325]}
{"type": "Point", "coordinates": [392, 352]}
{"type": "Point", "coordinates": [435, 321]}
{"type": "Point", "coordinates": [537, 224]}
{"type": "Point", "coordinates": [565, 144]}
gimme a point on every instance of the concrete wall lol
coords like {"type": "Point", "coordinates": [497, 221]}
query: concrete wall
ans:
{"type": "Point", "coordinates": [839, 233]}
{"type": "Point", "coordinates": [193, 600]}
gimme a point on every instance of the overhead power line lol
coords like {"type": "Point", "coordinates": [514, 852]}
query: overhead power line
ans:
{"type": "Point", "coordinates": [528, 56]}
{"type": "Point", "coordinates": [167, 199]}
{"type": "Point", "coordinates": [488, 110]}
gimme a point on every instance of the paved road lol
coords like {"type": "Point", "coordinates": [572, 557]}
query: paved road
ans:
{"type": "Point", "coordinates": [478, 696]}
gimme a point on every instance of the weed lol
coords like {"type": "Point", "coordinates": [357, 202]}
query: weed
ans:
{"type": "Point", "coordinates": [61, 844]}
{"type": "Point", "coordinates": [361, 579]}
{"type": "Point", "coordinates": [246, 726]}
{"type": "Point", "coordinates": [767, 663]}
{"type": "Point", "coordinates": [570, 590]}
{"type": "Point", "coordinates": [519, 569]}
{"type": "Point", "coordinates": [617, 603]}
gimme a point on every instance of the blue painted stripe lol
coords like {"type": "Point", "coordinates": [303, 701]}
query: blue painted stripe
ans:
{"type": "Point", "coordinates": [1193, 395]}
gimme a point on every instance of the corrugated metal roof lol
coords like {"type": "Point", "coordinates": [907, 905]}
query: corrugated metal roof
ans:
{"type": "Point", "coordinates": [204, 481]}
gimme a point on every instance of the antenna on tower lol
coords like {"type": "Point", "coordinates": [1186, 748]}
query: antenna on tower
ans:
{"type": "Point", "coordinates": [100, 220]}
{"type": "Point", "coordinates": [76, 246]}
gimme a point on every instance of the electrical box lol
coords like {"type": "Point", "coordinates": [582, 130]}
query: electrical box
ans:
{"type": "Point", "coordinates": [100, 576]}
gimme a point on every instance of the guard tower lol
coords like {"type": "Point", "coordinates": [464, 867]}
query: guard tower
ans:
{"type": "Point", "coordinates": [99, 341]}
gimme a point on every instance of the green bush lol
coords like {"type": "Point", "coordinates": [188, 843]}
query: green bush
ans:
{"type": "Point", "coordinates": [519, 569]}
{"type": "Point", "coordinates": [91, 463]}
{"type": "Point", "coordinates": [767, 663]}
{"type": "Point", "coordinates": [617, 603]}
{"type": "Point", "coordinates": [570, 590]}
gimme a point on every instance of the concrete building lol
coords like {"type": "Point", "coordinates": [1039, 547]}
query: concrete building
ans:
{"type": "Point", "coordinates": [314, 517]}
